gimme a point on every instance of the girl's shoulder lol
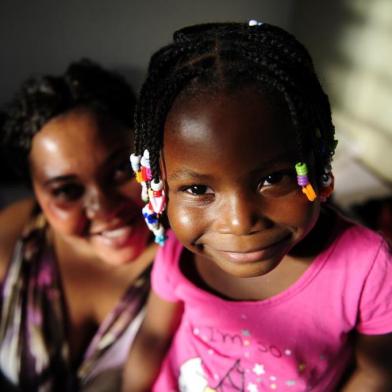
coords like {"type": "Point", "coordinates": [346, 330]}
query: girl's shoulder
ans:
{"type": "Point", "coordinates": [13, 218]}
{"type": "Point", "coordinates": [170, 253]}
{"type": "Point", "coordinates": [166, 274]}
{"type": "Point", "coordinates": [358, 242]}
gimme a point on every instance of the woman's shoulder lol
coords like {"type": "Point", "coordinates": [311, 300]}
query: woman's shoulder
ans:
{"type": "Point", "coordinates": [12, 220]}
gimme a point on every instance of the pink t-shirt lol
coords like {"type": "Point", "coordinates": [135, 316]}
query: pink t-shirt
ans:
{"type": "Point", "coordinates": [294, 341]}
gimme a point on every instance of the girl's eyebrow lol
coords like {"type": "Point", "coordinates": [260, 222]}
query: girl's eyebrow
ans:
{"type": "Point", "coordinates": [188, 174]}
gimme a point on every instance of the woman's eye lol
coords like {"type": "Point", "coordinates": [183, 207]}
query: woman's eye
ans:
{"type": "Point", "coordinates": [69, 192]}
{"type": "Point", "coordinates": [198, 190]}
{"type": "Point", "coordinates": [122, 172]}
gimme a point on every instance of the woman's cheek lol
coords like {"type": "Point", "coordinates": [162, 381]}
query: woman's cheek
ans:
{"type": "Point", "coordinates": [65, 219]}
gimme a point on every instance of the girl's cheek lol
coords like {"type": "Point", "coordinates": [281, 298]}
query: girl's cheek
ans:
{"type": "Point", "coordinates": [182, 219]}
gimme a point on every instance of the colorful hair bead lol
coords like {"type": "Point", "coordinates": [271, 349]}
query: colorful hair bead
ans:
{"type": "Point", "coordinates": [303, 181]}
{"type": "Point", "coordinates": [135, 162]}
{"type": "Point", "coordinates": [326, 179]}
{"type": "Point", "coordinates": [159, 235]}
{"type": "Point", "coordinates": [150, 216]}
{"type": "Point", "coordinates": [146, 168]}
{"type": "Point", "coordinates": [152, 193]}
{"type": "Point", "coordinates": [157, 196]}
{"type": "Point", "coordinates": [144, 194]}
{"type": "Point", "coordinates": [327, 183]}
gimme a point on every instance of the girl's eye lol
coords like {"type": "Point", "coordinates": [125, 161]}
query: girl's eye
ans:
{"type": "Point", "coordinates": [198, 190]}
{"type": "Point", "coordinates": [68, 192]}
{"type": "Point", "coordinates": [278, 183]}
{"type": "Point", "coordinates": [273, 178]}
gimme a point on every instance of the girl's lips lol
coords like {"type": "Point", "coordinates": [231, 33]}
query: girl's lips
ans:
{"type": "Point", "coordinates": [248, 257]}
{"type": "Point", "coordinates": [253, 256]}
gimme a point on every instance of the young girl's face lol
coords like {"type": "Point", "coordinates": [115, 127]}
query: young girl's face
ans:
{"type": "Point", "coordinates": [228, 160]}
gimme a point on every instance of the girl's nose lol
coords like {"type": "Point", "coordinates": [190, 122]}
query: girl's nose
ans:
{"type": "Point", "coordinates": [241, 214]}
{"type": "Point", "coordinates": [99, 204]}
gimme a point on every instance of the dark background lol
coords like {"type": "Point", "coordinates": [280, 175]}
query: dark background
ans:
{"type": "Point", "coordinates": [44, 36]}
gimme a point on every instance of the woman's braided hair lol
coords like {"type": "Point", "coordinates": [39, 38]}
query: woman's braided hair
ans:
{"type": "Point", "coordinates": [84, 84]}
{"type": "Point", "coordinates": [231, 55]}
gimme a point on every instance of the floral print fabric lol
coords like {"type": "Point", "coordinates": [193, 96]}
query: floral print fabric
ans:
{"type": "Point", "coordinates": [34, 351]}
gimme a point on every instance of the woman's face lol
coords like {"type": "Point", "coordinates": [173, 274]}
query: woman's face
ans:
{"type": "Point", "coordinates": [82, 180]}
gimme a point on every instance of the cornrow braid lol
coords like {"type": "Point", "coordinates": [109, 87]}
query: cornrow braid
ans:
{"type": "Point", "coordinates": [232, 55]}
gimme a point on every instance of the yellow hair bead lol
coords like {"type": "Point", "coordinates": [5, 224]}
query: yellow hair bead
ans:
{"type": "Point", "coordinates": [309, 192]}
{"type": "Point", "coordinates": [139, 176]}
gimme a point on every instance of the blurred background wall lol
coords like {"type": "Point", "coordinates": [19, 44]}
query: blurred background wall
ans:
{"type": "Point", "coordinates": [350, 41]}
{"type": "Point", "coordinates": [43, 36]}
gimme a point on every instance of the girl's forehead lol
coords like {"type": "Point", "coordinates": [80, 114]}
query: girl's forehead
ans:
{"type": "Point", "coordinates": [245, 120]}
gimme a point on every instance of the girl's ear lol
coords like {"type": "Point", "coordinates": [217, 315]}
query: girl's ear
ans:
{"type": "Point", "coordinates": [327, 186]}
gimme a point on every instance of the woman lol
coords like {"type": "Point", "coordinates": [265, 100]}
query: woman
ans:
{"type": "Point", "coordinates": [75, 258]}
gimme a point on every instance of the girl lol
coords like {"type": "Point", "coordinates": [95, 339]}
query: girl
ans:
{"type": "Point", "coordinates": [268, 288]}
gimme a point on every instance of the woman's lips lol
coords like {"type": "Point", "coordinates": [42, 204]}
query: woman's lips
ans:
{"type": "Point", "coordinates": [117, 237]}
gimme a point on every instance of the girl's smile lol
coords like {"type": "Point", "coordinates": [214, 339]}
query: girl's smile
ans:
{"type": "Point", "coordinates": [228, 161]}
{"type": "Point", "coordinates": [250, 256]}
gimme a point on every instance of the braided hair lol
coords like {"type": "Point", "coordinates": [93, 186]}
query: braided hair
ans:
{"type": "Point", "coordinates": [84, 84]}
{"type": "Point", "coordinates": [229, 56]}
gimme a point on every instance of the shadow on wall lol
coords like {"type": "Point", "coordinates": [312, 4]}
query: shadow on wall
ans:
{"type": "Point", "coordinates": [11, 189]}
{"type": "Point", "coordinates": [134, 76]}
{"type": "Point", "coordinates": [351, 42]}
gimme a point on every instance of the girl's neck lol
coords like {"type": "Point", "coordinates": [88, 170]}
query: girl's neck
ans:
{"type": "Point", "coordinates": [319, 238]}
{"type": "Point", "coordinates": [206, 275]}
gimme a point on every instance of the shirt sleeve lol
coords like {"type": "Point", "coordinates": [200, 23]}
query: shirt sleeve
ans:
{"type": "Point", "coordinates": [165, 273]}
{"type": "Point", "coordinates": [375, 303]}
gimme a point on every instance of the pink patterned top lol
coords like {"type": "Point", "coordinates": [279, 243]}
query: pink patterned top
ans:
{"type": "Point", "coordinates": [294, 341]}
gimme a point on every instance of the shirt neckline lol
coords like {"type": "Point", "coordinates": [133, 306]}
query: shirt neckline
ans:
{"type": "Point", "coordinates": [302, 282]}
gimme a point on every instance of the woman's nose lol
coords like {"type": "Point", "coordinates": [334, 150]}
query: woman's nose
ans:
{"type": "Point", "coordinates": [99, 204]}
{"type": "Point", "coordinates": [241, 214]}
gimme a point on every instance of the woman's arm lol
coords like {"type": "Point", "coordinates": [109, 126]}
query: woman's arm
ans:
{"type": "Point", "coordinates": [373, 372]}
{"type": "Point", "coordinates": [12, 220]}
{"type": "Point", "coordinates": [151, 344]}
